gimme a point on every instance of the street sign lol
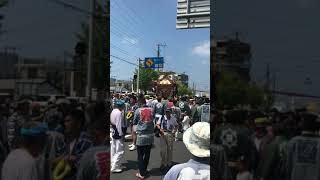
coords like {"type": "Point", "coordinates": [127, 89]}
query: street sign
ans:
{"type": "Point", "coordinates": [153, 62]}
{"type": "Point", "coordinates": [193, 14]}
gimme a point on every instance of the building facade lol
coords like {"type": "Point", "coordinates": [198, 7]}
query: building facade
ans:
{"type": "Point", "coordinates": [233, 55]}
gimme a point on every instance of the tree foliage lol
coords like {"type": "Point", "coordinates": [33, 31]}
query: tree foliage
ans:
{"type": "Point", "coordinates": [146, 78]}
{"type": "Point", "coordinates": [184, 90]}
{"type": "Point", "coordinates": [232, 91]}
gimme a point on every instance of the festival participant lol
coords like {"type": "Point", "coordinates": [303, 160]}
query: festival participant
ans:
{"type": "Point", "coordinates": [16, 120]}
{"type": "Point", "coordinates": [22, 163]}
{"type": "Point", "coordinates": [168, 126]}
{"type": "Point", "coordinates": [303, 155]}
{"type": "Point", "coordinates": [184, 106]}
{"type": "Point", "coordinates": [273, 166]}
{"type": "Point", "coordinates": [158, 109]}
{"type": "Point", "coordinates": [132, 146]}
{"type": "Point", "coordinates": [77, 141]}
{"type": "Point", "coordinates": [197, 141]}
{"type": "Point", "coordinates": [205, 111]}
{"type": "Point", "coordinates": [143, 118]}
{"type": "Point", "coordinates": [195, 112]}
{"type": "Point", "coordinates": [236, 140]}
{"type": "Point", "coordinates": [117, 128]}
{"type": "Point", "coordinates": [176, 112]}
{"type": "Point", "coordinates": [95, 162]}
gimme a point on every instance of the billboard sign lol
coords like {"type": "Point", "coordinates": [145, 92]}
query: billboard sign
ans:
{"type": "Point", "coordinates": [153, 62]}
{"type": "Point", "coordinates": [193, 14]}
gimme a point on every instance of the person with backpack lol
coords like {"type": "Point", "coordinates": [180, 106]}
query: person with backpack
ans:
{"type": "Point", "coordinates": [117, 127]}
{"type": "Point", "coordinates": [168, 126]}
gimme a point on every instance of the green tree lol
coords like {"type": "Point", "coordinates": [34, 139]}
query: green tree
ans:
{"type": "Point", "coordinates": [3, 3]}
{"type": "Point", "coordinates": [254, 96]}
{"type": "Point", "coordinates": [146, 78]}
{"type": "Point", "coordinates": [184, 90]}
{"type": "Point", "coordinates": [232, 91]}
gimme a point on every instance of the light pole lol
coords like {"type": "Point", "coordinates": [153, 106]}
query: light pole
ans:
{"type": "Point", "coordinates": [138, 75]}
{"type": "Point", "coordinates": [90, 52]}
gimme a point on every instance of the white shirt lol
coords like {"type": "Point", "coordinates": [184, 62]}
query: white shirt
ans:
{"type": "Point", "coordinates": [171, 123]}
{"type": "Point", "coordinates": [186, 122]}
{"type": "Point", "coordinates": [116, 118]}
{"type": "Point", "coordinates": [21, 165]}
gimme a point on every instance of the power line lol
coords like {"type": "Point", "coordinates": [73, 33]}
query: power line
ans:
{"type": "Point", "coordinates": [128, 35]}
{"type": "Point", "coordinates": [125, 16]}
{"type": "Point", "coordinates": [121, 59]}
{"type": "Point", "coordinates": [74, 8]}
{"type": "Point", "coordinates": [123, 27]}
{"type": "Point", "coordinates": [71, 6]}
{"type": "Point", "coordinates": [133, 14]}
{"type": "Point", "coordinates": [123, 38]}
{"type": "Point", "coordinates": [121, 50]}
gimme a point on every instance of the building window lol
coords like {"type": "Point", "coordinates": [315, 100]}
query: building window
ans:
{"type": "Point", "coordinates": [32, 73]}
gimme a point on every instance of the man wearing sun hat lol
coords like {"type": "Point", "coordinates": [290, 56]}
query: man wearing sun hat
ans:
{"type": "Point", "coordinates": [197, 141]}
{"type": "Point", "coordinates": [24, 162]}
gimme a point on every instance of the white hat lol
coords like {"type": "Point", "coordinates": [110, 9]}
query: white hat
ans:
{"type": "Point", "coordinates": [197, 139]}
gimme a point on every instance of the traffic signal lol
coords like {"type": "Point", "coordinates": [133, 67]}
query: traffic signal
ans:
{"type": "Point", "coordinates": [135, 76]}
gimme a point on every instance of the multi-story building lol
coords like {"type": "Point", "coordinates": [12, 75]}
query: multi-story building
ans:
{"type": "Point", "coordinates": [233, 55]}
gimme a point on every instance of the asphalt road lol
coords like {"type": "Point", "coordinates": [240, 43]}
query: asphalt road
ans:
{"type": "Point", "coordinates": [130, 167]}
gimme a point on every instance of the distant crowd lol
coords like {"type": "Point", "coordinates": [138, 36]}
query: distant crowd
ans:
{"type": "Point", "coordinates": [61, 140]}
{"type": "Point", "coordinates": [270, 145]}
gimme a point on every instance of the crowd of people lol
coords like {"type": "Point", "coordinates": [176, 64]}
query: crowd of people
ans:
{"type": "Point", "coordinates": [61, 140]}
{"type": "Point", "coordinates": [265, 145]}
{"type": "Point", "coordinates": [170, 119]}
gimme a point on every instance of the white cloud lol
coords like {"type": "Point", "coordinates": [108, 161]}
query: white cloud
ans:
{"type": "Point", "coordinates": [202, 49]}
{"type": "Point", "coordinates": [128, 40]}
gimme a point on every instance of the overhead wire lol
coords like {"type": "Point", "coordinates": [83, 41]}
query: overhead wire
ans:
{"type": "Point", "coordinates": [135, 14]}
{"type": "Point", "coordinates": [129, 14]}
{"type": "Point", "coordinates": [122, 59]}
{"type": "Point", "coordinates": [125, 16]}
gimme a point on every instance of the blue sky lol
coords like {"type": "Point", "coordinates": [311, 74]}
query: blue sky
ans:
{"type": "Point", "coordinates": [137, 26]}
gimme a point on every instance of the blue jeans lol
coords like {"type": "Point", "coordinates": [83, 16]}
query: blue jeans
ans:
{"type": "Point", "coordinates": [143, 158]}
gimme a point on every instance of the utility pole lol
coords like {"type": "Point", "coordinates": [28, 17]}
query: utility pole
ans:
{"type": "Point", "coordinates": [267, 86]}
{"type": "Point", "coordinates": [90, 49]}
{"type": "Point", "coordinates": [64, 73]}
{"type": "Point", "coordinates": [138, 75]}
{"type": "Point", "coordinates": [158, 50]}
